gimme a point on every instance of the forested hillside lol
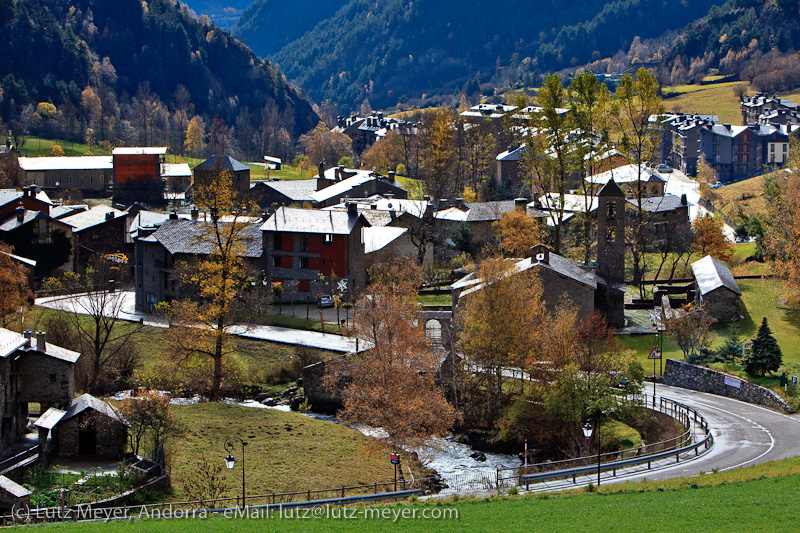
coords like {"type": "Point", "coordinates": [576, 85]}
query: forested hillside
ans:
{"type": "Point", "coordinates": [141, 63]}
{"type": "Point", "coordinates": [395, 49]}
{"type": "Point", "coordinates": [224, 13]}
{"type": "Point", "coordinates": [269, 25]}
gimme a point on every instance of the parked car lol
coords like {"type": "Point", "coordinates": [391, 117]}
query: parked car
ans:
{"type": "Point", "coordinates": [664, 168]}
{"type": "Point", "coordinates": [326, 300]}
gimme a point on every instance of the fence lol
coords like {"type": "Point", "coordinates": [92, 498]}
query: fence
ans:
{"type": "Point", "coordinates": [612, 461]}
{"type": "Point", "coordinates": [389, 490]}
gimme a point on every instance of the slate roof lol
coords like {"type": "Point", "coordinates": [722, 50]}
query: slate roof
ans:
{"type": "Point", "coordinates": [556, 263]}
{"type": "Point", "coordinates": [346, 185]}
{"type": "Point", "coordinates": [50, 418]}
{"type": "Point", "coordinates": [11, 222]}
{"type": "Point", "coordinates": [175, 170]}
{"type": "Point", "coordinates": [311, 221]}
{"type": "Point", "coordinates": [711, 275]}
{"type": "Point", "coordinates": [626, 174]}
{"type": "Point", "coordinates": [86, 162]}
{"type": "Point", "coordinates": [227, 162]}
{"type": "Point", "coordinates": [61, 211]}
{"type": "Point", "coordinates": [11, 341]}
{"type": "Point", "coordinates": [181, 236]}
{"type": "Point", "coordinates": [611, 189]}
{"type": "Point", "coordinates": [9, 195]}
{"type": "Point", "coordinates": [93, 217]}
{"type": "Point", "coordinates": [380, 237]}
{"type": "Point", "coordinates": [295, 190]}
{"type": "Point", "coordinates": [658, 204]}
{"type": "Point", "coordinates": [135, 150]}
{"type": "Point", "coordinates": [13, 488]}
{"type": "Point", "coordinates": [477, 211]}
{"type": "Point", "coordinates": [87, 401]}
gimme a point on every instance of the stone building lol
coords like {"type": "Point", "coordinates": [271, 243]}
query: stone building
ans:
{"type": "Point", "coordinates": [717, 291]}
{"type": "Point", "coordinates": [239, 172]}
{"type": "Point", "coordinates": [302, 245]}
{"type": "Point", "coordinates": [337, 184]}
{"type": "Point", "coordinates": [86, 173]}
{"type": "Point", "coordinates": [31, 371]}
{"type": "Point", "coordinates": [290, 193]}
{"type": "Point", "coordinates": [159, 253]}
{"type": "Point", "coordinates": [88, 427]}
{"type": "Point", "coordinates": [97, 233]}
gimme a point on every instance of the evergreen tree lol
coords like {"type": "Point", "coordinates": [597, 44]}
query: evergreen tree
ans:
{"type": "Point", "coordinates": [732, 348]}
{"type": "Point", "coordinates": [765, 354]}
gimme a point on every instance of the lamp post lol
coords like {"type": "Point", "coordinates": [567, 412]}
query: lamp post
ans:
{"type": "Point", "coordinates": [587, 432]}
{"type": "Point", "coordinates": [230, 462]}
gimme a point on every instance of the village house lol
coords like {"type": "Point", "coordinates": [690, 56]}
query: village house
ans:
{"type": "Point", "coordinates": [87, 427]}
{"type": "Point", "coordinates": [301, 246]}
{"type": "Point", "coordinates": [159, 254]}
{"type": "Point", "coordinates": [754, 108]}
{"type": "Point", "coordinates": [86, 173]}
{"type": "Point", "coordinates": [717, 291]}
{"type": "Point", "coordinates": [137, 174]}
{"type": "Point", "coordinates": [97, 234]}
{"type": "Point", "coordinates": [366, 131]}
{"type": "Point", "coordinates": [290, 193]}
{"type": "Point", "coordinates": [336, 184]}
{"type": "Point", "coordinates": [734, 152]}
{"type": "Point", "coordinates": [31, 371]}
{"type": "Point", "coordinates": [239, 173]}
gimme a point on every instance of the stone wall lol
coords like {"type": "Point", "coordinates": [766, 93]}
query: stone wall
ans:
{"type": "Point", "coordinates": [722, 304]}
{"type": "Point", "coordinates": [111, 436]}
{"type": "Point", "coordinates": [45, 379]}
{"type": "Point", "coordinates": [680, 374]}
{"type": "Point", "coordinates": [320, 399]}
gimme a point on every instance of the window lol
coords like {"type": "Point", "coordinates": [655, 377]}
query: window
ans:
{"type": "Point", "coordinates": [277, 241]}
{"type": "Point", "coordinates": [276, 261]}
{"type": "Point", "coordinates": [304, 262]}
{"type": "Point", "coordinates": [785, 148]}
{"type": "Point", "coordinates": [772, 147]}
{"type": "Point", "coordinates": [610, 235]}
{"type": "Point", "coordinates": [328, 239]}
{"type": "Point", "coordinates": [611, 210]}
{"type": "Point", "coordinates": [52, 378]}
{"type": "Point", "coordinates": [304, 242]}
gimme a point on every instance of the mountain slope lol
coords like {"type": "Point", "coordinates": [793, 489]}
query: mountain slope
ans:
{"type": "Point", "coordinates": [384, 50]}
{"type": "Point", "coordinates": [269, 25]}
{"type": "Point", "coordinates": [52, 46]}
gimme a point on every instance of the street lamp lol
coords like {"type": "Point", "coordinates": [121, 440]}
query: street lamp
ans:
{"type": "Point", "coordinates": [230, 462]}
{"type": "Point", "coordinates": [587, 432]}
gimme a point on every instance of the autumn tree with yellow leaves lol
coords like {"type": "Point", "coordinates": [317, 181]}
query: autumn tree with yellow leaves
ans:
{"type": "Point", "coordinates": [201, 326]}
{"type": "Point", "coordinates": [517, 233]}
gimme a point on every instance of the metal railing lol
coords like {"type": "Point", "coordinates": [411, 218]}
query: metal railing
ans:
{"type": "Point", "coordinates": [390, 490]}
{"type": "Point", "coordinates": [612, 461]}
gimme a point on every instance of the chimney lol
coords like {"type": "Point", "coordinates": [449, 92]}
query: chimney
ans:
{"type": "Point", "coordinates": [20, 214]}
{"type": "Point", "coordinates": [340, 173]}
{"type": "Point", "coordinates": [110, 216]}
{"type": "Point", "coordinates": [388, 196]}
{"type": "Point", "coordinates": [426, 198]}
{"type": "Point", "coordinates": [352, 208]}
{"type": "Point", "coordinates": [41, 346]}
{"type": "Point", "coordinates": [321, 169]}
{"type": "Point", "coordinates": [459, 203]}
{"type": "Point", "coordinates": [684, 201]}
{"type": "Point", "coordinates": [540, 254]}
{"type": "Point", "coordinates": [28, 334]}
{"type": "Point", "coordinates": [520, 203]}
{"type": "Point", "coordinates": [391, 176]}
{"type": "Point", "coordinates": [195, 213]}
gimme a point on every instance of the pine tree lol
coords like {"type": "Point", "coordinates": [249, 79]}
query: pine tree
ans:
{"type": "Point", "coordinates": [732, 348]}
{"type": "Point", "coordinates": [765, 354]}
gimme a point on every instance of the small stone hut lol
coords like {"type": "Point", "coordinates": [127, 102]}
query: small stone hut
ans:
{"type": "Point", "coordinates": [717, 291]}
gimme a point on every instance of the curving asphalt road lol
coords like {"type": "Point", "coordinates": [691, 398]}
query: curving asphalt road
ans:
{"type": "Point", "coordinates": [744, 434]}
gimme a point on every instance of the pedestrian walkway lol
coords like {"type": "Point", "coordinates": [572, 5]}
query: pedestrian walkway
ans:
{"type": "Point", "coordinates": [126, 311]}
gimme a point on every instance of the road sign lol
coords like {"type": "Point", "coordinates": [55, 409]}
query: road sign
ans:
{"type": "Point", "coordinates": [654, 354]}
{"type": "Point", "coordinates": [395, 459]}
{"type": "Point", "coordinates": [794, 380]}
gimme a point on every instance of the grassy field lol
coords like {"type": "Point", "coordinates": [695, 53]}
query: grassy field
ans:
{"type": "Point", "coordinates": [747, 195]}
{"type": "Point", "coordinates": [748, 499]}
{"type": "Point", "coordinates": [760, 298]}
{"type": "Point", "coordinates": [713, 99]}
{"type": "Point", "coordinates": [38, 147]}
{"type": "Point", "coordinates": [286, 452]}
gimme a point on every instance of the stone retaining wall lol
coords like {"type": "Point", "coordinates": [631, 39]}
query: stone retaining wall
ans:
{"type": "Point", "coordinates": [680, 374]}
